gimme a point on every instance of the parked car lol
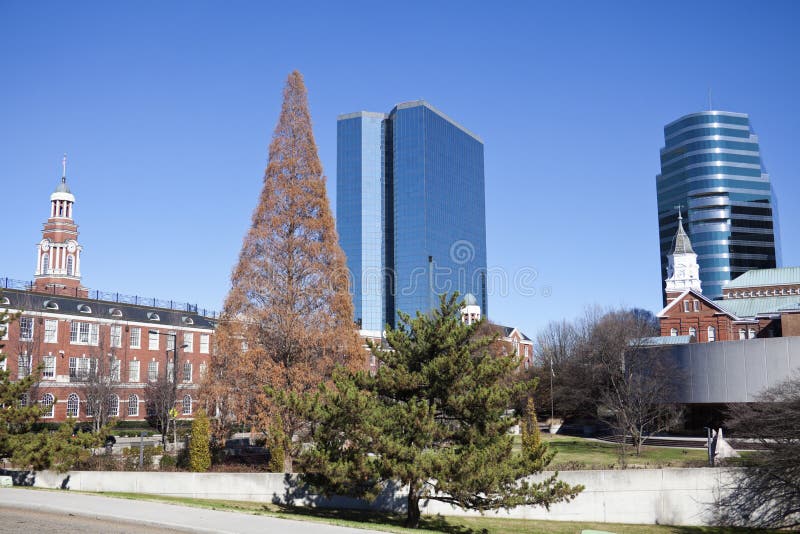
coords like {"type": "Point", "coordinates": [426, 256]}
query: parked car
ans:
{"type": "Point", "coordinates": [240, 449]}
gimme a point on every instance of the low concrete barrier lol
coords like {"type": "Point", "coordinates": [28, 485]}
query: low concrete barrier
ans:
{"type": "Point", "coordinates": [644, 496]}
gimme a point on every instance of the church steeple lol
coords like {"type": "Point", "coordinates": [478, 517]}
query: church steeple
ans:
{"type": "Point", "coordinates": [58, 261]}
{"type": "Point", "coordinates": [683, 271]}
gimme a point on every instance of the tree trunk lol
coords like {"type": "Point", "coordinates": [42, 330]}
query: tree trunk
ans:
{"type": "Point", "coordinates": [412, 519]}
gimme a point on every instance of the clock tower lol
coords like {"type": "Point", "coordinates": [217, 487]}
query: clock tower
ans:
{"type": "Point", "coordinates": [683, 272]}
{"type": "Point", "coordinates": [58, 254]}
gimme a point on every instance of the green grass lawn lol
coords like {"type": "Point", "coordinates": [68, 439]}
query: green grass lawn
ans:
{"type": "Point", "coordinates": [449, 524]}
{"type": "Point", "coordinates": [581, 453]}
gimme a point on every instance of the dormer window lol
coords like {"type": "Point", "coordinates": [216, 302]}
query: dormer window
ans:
{"type": "Point", "coordinates": [83, 308]}
{"type": "Point", "coordinates": [187, 320]}
{"type": "Point", "coordinates": [4, 301]}
{"type": "Point", "coordinates": [153, 316]}
{"type": "Point", "coordinates": [115, 312]}
{"type": "Point", "coordinates": [50, 305]}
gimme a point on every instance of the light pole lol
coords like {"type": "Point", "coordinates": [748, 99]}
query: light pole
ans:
{"type": "Point", "coordinates": [174, 349]}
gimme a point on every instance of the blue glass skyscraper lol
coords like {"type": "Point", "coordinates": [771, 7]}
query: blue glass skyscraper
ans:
{"type": "Point", "coordinates": [711, 167]}
{"type": "Point", "coordinates": [410, 211]}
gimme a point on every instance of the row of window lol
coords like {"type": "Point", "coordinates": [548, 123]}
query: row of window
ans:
{"type": "Point", "coordinates": [712, 333]}
{"type": "Point", "coordinates": [74, 404]}
{"type": "Point", "coordinates": [763, 293]}
{"type": "Point", "coordinates": [693, 305]}
{"type": "Point", "coordinates": [83, 368]}
{"type": "Point", "coordinates": [81, 333]}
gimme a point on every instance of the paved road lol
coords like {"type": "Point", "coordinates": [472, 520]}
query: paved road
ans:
{"type": "Point", "coordinates": [53, 510]}
{"type": "Point", "coordinates": [19, 520]}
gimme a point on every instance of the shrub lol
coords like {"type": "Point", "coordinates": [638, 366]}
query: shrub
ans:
{"type": "Point", "coordinates": [199, 450]}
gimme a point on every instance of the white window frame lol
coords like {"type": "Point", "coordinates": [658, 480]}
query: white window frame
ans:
{"type": "Point", "coordinates": [115, 367]}
{"type": "Point", "coordinates": [186, 407]}
{"type": "Point", "coordinates": [188, 340]}
{"type": "Point", "coordinates": [51, 330]}
{"type": "Point", "coordinates": [113, 405]}
{"type": "Point", "coordinates": [83, 333]}
{"type": "Point", "coordinates": [133, 405]}
{"type": "Point", "coordinates": [673, 332]}
{"type": "Point", "coordinates": [49, 369]}
{"type": "Point", "coordinates": [134, 370]}
{"type": "Point", "coordinates": [696, 305]}
{"type": "Point", "coordinates": [73, 405]}
{"type": "Point", "coordinates": [82, 367]}
{"type": "Point", "coordinates": [26, 326]}
{"type": "Point", "coordinates": [172, 337]}
{"type": "Point", "coordinates": [685, 306]}
{"type": "Point", "coordinates": [23, 365]}
{"type": "Point", "coordinates": [693, 332]}
{"type": "Point", "coordinates": [152, 340]}
{"type": "Point", "coordinates": [204, 342]}
{"type": "Point", "coordinates": [742, 333]}
{"type": "Point", "coordinates": [48, 400]}
{"type": "Point", "coordinates": [116, 336]}
{"type": "Point", "coordinates": [152, 371]}
{"type": "Point", "coordinates": [751, 333]}
{"type": "Point", "coordinates": [136, 337]}
{"type": "Point", "coordinates": [712, 334]}
{"type": "Point", "coordinates": [187, 371]}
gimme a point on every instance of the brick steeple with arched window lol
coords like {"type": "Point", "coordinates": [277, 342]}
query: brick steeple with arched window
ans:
{"type": "Point", "coordinates": [58, 254]}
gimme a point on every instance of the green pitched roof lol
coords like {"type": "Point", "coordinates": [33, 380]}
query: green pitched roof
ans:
{"type": "Point", "coordinates": [750, 307]}
{"type": "Point", "coordinates": [766, 277]}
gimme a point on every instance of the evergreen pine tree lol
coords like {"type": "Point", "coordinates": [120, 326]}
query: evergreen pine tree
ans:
{"type": "Point", "coordinates": [58, 450]}
{"type": "Point", "coordinates": [288, 318]}
{"type": "Point", "coordinates": [18, 412]}
{"type": "Point", "coordinates": [432, 419]}
{"type": "Point", "coordinates": [277, 445]}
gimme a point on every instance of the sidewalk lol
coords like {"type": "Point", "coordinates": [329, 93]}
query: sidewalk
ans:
{"type": "Point", "coordinates": [159, 514]}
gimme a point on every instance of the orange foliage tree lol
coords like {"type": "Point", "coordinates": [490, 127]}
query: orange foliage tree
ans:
{"type": "Point", "coordinates": [287, 321]}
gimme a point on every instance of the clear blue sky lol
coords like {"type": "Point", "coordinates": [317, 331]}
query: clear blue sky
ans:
{"type": "Point", "coordinates": [166, 110]}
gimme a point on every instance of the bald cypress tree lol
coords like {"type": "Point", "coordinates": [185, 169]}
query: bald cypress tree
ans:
{"type": "Point", "coordinates": [288, 318]}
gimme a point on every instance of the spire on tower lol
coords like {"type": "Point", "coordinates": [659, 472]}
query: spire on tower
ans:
{"type": "Point", "coordinates": [683, 244]}
{"type": "Point", "coordinates": [64, 169]}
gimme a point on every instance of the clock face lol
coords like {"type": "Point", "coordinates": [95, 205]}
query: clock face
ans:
{"type": "Point", "coordinates": [71, 246]}
{"type": "Point", "coordinates": [45, 245]}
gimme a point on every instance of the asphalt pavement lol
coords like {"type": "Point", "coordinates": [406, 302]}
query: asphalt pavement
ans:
{"type": "Point", "coordinates": [108, 514]}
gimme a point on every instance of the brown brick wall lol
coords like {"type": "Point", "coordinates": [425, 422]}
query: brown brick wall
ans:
{"type": "Point", "coordinates": [790, 324]}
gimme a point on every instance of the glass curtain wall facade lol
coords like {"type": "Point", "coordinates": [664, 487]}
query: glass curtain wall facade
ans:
{"type": "Point", "coordinates": [360, 214]}
{"type": "Point", "coordinates": [426, 197]}
{"type": "Point", "coordinates": [711, 167]}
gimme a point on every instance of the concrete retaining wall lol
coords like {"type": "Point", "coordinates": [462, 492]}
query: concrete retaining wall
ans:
{"type": "Point", "coordinates": [645, 496]}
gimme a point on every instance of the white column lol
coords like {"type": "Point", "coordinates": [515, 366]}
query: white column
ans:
{"type": "Point", "coordinates": [39, 259]}
{"type": "Point", "coordinates": [78, 262]}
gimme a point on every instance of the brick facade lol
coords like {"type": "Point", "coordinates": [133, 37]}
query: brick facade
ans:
{"type": "Point", "coordinates": [74, 350]}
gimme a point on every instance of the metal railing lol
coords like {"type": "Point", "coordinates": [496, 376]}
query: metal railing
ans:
{"type": "Point", "coordinates": [107, 296]}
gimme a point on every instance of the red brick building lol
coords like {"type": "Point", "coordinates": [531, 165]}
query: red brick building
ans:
{"type": "Point", "coordinates": [80, 337]}
{"type": "Point", "coordinates": [759, 303]}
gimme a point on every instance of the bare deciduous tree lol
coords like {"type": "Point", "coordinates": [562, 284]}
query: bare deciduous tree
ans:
{"type": "Point", "coordinates": [765, 493]}
{"type": "Point", "coordinates": [99, 381]}
{"type": "Point", "coordinates": [601, 368]}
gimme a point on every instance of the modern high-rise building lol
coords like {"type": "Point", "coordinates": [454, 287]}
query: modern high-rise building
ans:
{"type": "Point", "coordinates": [410, 211]}
{"type": "Point", "coordinates": [711, 169]}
